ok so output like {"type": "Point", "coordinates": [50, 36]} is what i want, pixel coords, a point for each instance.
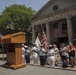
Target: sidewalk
{"type": "Point", "coordinates": [46, 66]}
{"type": "Point", "coordinates": [56, 67]}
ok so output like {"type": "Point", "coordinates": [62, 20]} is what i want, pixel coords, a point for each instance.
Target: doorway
{"type": "Point", "coordinates": [62, 39]}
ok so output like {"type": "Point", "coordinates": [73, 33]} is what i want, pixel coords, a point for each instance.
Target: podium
{"type": "Point", "coordinates": [14, 49]}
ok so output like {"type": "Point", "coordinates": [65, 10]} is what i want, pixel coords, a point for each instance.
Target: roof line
{"type": "Point", "coordinates": [47, 4]}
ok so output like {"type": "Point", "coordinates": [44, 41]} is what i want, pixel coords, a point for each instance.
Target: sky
{"type": "Point", "coordinates": [35, 4]}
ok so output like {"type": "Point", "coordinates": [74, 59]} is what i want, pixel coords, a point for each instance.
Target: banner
{"type": "Point", "coordinates": [58, 29]}
{"type": "Point", "coordinates": [37, 42]}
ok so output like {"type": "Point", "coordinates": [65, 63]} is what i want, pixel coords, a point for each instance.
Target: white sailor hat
{"type": "Point", "coordinates": [26, 46]}
{"type": "Point", "coordinates": [50, 45]}
{"type": "Point", "coordinates": [41, 45]}
{"type": "Point", "coordinates": [22, 44]}
{"type": "Point", "coordinates": [34, 44]}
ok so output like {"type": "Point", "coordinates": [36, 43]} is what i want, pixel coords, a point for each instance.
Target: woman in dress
{"type": "Point", "coordinates": [72, 50]}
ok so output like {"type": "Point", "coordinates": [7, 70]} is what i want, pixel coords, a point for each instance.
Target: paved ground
{"type": "Point", "coordinates": [34, 70]}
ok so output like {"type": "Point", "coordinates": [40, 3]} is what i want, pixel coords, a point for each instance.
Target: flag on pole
{"type": "Point", "coordinates": [37, 42]}
{"type": "Point", "coordinates": [44, 40]}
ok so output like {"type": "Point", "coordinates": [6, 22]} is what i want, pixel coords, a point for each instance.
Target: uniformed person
{"type": "Point", "coordinates": [43, 57]}
{"type": "Point", "coordinates": [51, 56]}
{"type": "Point", "coordinates": [34, 52]}
{"type": "Point", "coordinates": [23, 54]}
{"type": "Point", "coordinates": [27, 54]}
{"type": "Point", "coordinates": [57, 55]}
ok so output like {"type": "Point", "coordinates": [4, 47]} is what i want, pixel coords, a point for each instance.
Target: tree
{"type": "Point", "coordinates": [16, 17]}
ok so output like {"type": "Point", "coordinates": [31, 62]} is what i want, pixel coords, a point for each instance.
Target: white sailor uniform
{"type": "Point", "coordinates": [23, 54]}
{"type": "Point", "coordinates": [34, 52]}
{"type": "Point", "coordinates": [51, 58]}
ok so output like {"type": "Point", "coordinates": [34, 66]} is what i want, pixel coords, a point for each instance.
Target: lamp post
{"type": "Point", "coordinates": [2, 50]}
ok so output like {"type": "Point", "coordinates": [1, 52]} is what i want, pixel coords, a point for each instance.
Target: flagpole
{"type": "Point", "coordinates": [41, 32]}
{"type": "Point", "coordinates": [41, 27]}
{"type": "Point", "coordinates": [44, 42]}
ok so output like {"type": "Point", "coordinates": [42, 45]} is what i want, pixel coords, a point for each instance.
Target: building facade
{"type": "Point", "coordinates": [58, 18]}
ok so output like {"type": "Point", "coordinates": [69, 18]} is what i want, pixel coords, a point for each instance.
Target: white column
{"type": "Point", "coordinates": [69, 28]}
{"type": "Point", "coordinates": [48, 32]}
{"type": "Point", "coordinates": [33, 34]}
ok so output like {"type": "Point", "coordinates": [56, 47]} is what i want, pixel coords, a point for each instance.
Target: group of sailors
{"type": "Point", "coordinates": [53, 56]}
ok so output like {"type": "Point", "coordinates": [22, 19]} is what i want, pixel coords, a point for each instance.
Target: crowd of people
{"type": "Point", "coordinates": [65, 55]}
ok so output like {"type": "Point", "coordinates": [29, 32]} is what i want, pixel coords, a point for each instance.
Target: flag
{"type": "Point", "coordinates": [37, 42]}
{"type": "Point", "coordinates": [58, 29]}
{"type": "Point", "coordinates": [44, 40]}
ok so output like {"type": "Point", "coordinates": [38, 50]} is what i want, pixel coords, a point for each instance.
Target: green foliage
{"type": "Point", "coordinates": [16, 17]}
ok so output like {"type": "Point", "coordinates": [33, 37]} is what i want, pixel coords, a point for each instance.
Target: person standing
{"type": "Point", "coordinates": [34, 52]}
{"type": "Point", "coordinates": [72, 51]}
{"type": "Point", "coordinates": [23, 53]}
{"type": "Point", "coordinates": [57, 55]}
{"type": "Point", "coordinates": [63, 51]}
{"type": "Point", "coordinates": [51, 56]}
{"type": "Point", "coordinates": [75, 53]}
{"type": "Point", "coordinates": [27, 54]}
{"type": "Point", "coordinates": [43, 56]}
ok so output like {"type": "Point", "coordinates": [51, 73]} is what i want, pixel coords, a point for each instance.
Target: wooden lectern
{"type": "Point", "coordinates": [14, 49]}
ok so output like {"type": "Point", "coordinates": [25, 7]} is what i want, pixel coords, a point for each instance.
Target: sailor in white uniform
{"type": "Point", "coordinates": [23, 54]}
{"type": "Point", "coordinates": [51, 57]}
{"type": "Point", "coordinates": [34, 52]}
{"type": "Point", "coordinates": [57, 57]}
